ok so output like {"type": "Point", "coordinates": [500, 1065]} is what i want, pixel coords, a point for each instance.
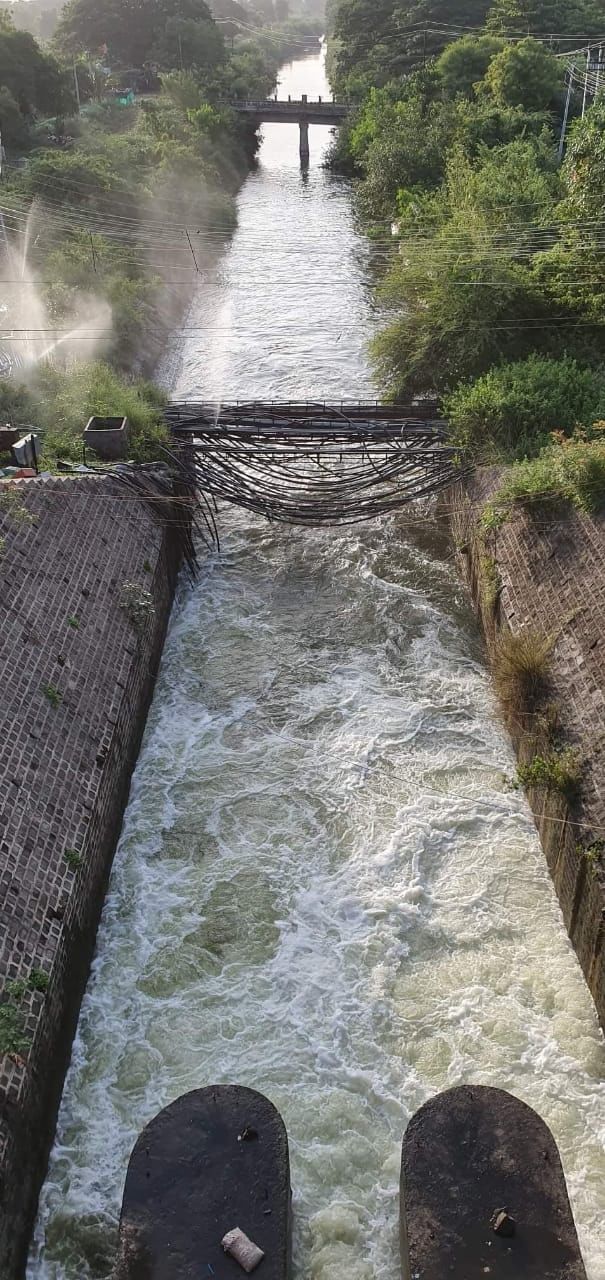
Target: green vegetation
{"type": "Point", "coordinates": [491, 583]}
{"type": "Point", "coordinates": [52, 695]}
{"type": "Point", "coordinates": [73, 858]}
{"type": "Point", "coordinates": [513, 409]}
{"type": "Point", "coordinates": [38, 980]}
{"type": "Point", "coordinates": [557, 770]}
{"type": "Point", "coordinates": [568, 471]}
{"type": "Point", "coordinates": [128, 200]}
{"type": "Point", "coordinates": [495, 293]}
{"type": "Point", "coordinates": [12, 1039]}
{"type": "Point", "coordinates": [31, 81]}
{"type": "Point", "coordinates": [594, 855]}
{"type": "Point", "coordinates": [13, 506]}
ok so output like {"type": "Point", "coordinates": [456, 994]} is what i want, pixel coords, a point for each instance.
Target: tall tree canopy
{"type": "Point", "coordinates": [578, 17]}
{"type": "Point", "coordinates": [32, 77]}
{"type": "Point", "coordinates": [385, 38]}
{"type": "Point", "coordinates": [139, 31]}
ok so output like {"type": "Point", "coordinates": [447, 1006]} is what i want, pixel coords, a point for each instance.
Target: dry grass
{"type": "Point", "coordinates": [521, 665]}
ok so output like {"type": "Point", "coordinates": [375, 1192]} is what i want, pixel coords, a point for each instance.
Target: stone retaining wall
{"type": "Point", "coordinates": [548, 571]}
{"type": "Point", "coordinates": [77, 678]}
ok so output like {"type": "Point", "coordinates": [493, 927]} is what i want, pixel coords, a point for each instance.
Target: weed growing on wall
{"type": "Point", "coordinates": [557, 771]}
{"type": "Point", "coordinates": [52, 695]}
{"type": "Point", "coordinates": [12, 1038]}
{"type": "Point", "coordinates": [73, 858]}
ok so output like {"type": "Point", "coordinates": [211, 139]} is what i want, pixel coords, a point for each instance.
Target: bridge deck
{"type": "Point", "coordinates": [292, 112]}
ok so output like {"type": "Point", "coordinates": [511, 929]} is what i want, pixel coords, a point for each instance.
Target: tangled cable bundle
{"type": "Point", "coordinates": [313, 464]}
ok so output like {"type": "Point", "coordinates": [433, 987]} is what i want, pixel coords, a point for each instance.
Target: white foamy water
{"type": "Point", "coordinates": [325, 888]}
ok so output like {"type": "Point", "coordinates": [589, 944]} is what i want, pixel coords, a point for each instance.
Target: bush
{"type": "Point", "coordinates": [511, 411]}
{"type": "Point", "coordinates": [12, 1038]}
{"type": "Point", "coordinates": [566, 471]}
{"type": "Point", "coordinates": [555, 771]}
{"type": "Point", "coordinates": [64, 401]}
{"type": "Point", "coordinates": [524, 75]}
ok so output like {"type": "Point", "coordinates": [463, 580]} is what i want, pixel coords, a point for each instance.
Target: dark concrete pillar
{"type": "Point", "coordinates": [483, 1193]}
{"type": "Point", "coordinates": [214, 1160]}
{"type": "Point", "coordinates": [305, 153]}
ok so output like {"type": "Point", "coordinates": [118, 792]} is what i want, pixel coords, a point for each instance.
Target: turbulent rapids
{"type": "Point", "coordinates": [326, 887]}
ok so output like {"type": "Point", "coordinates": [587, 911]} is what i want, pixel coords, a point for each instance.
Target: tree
{"type": "Point", "coordinates": [524, 75]}
{"type": "Point", "coordinates": [188, 44]}
{"type": "Point", "coordinates": [13, 125]}
{"type": "Point", "coordinates": [132, 30]}
{"type": "Point", "coordinates": [578, 17]}
{"type": "Point", "coordinates": [465, 62]}
{"type": "Point", "coordinates": [33, 77]}
{"type": "Point", "coordinates": [463, 295]}
{"type": "Point", "coordinates": [584, 167]}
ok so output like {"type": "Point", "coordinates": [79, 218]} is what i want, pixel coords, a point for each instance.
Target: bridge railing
{"type": "Point", "coordinates": [296, 104]}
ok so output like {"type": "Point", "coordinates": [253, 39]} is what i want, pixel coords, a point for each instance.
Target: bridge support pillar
{"type": "Point", "coordinates": [305, 153]}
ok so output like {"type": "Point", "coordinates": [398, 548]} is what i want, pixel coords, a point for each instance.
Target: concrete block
{"type": "Point", "coordinates": [483, 1193]}
{"type": "Point", "coordinates": [109, 437]}
{"type": "Point", "coordinates": [214, 1161]}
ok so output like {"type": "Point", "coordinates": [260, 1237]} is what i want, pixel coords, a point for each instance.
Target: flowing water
{"type": "Point", "coordinates": [325, 887]}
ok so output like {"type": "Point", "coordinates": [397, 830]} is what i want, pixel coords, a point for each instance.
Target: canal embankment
{"type": "Point", "coordinates": [87, 576]}
{"type": "Point", "coordinates": [540, 577]}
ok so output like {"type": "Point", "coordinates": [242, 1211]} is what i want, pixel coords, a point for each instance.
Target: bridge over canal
{"type": "Point", "coordinates": [314, 463]}
{"type": "Point", "coordinates": [302, 112]}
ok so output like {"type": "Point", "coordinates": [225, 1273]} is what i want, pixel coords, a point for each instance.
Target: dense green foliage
{"type": "Point", "coordinates": [567, 470]}
{"type": "Point", "coordinates": [518, 406]}
{"type": "Point", "coordinates": [495, 293]}
{"type": "Point", "coordinates": [60, 403]}
{"type": "Point", "coordinates": [31, 81]}
{"type": "Point", "coordinates": [139, 31]}
{"type": "Point", "coordinates": [135, 201]}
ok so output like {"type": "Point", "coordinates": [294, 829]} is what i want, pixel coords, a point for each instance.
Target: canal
{"type": "Point", "coordinates": [326, 887]}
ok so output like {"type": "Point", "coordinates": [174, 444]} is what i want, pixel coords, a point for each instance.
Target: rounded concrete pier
{"type": "Point", "coordinates": [483, 1193]}
{"type": "Point", "coordinates": [215, 1160]}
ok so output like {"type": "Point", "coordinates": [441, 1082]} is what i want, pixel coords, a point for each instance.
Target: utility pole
{"type": "Point", "coordinates": [570, 76]}
{"type": "Point", "coordinates": [588, 57]}
{"type": "Point", "coordinates": [77, 85]}
{"type": "Point", "coordinates": [600, 56]}
{"type": "Point", "coordinates": [180, 51]}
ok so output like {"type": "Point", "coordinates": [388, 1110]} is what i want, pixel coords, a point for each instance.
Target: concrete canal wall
{"type": "Point", "coordinates": [87, 576]}
{"type": "Point", "coordinates": [543, 571]}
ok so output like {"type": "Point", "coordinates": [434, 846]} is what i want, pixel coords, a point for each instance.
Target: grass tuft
{"type": "Point", "coordinates": [521, 665]}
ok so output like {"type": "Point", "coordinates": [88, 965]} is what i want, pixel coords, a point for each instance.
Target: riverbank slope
{"type": "Point", "coordinates": [541, 575]}
{"type": "Point", "coordinates": [87, 577]}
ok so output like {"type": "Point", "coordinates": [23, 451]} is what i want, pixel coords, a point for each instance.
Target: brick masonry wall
{"type": "Point", "coordinates": [64, 777]}
{"type": "Point", "coordinates": [552, 573]}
